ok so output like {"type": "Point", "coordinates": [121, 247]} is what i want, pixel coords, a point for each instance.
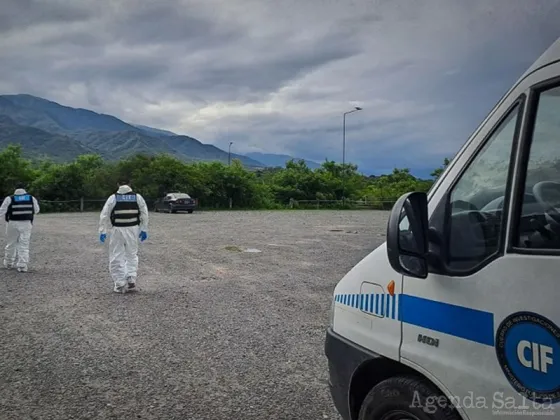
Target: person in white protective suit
{"type": "Point", "coordinates": [18, 210]}
{"type": "Point", "coordinates": [125, 213]}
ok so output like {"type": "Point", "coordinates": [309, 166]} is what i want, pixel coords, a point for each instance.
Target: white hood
{"type": "Point", "coordinates": [124, 189]}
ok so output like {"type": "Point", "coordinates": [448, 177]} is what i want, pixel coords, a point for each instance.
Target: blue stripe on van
{"type": "Point", "coordinates": [387, 305]}
{"type": "Point", "coordinates": [458, 321]}
{"type": "Point", "coordinates": [373, 303]}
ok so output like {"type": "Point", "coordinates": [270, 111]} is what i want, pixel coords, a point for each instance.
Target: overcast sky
{"type": "Point", "coordinates": [276, 76]}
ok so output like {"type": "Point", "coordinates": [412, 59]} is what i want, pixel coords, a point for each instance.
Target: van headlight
{"type": "Point", "coordinates": [331, 313]}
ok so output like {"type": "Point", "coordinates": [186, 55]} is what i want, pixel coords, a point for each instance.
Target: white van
{"type": "Point", "coordinates": [457, 315]}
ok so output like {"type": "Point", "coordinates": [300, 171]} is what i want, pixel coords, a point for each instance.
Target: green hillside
{"type": "Point", "coordinates": [74, 131]}
{"type": "Point", "coordinates": [37, 143]}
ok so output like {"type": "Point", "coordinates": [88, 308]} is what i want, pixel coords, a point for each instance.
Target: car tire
{"type": "Point", "coordinates": [190, 211]}
{"type": "Point", "coordinates": [406, 397]}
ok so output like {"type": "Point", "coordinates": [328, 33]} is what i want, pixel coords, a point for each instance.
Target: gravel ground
{"type": "Point", "coordinates": [212, 332]}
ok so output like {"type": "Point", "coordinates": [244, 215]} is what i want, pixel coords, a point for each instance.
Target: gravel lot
{"type": "Point", "coordinates": [213, 332]}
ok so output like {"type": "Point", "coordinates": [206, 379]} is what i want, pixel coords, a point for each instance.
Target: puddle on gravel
{"type": "Point", "coordinates": [233, 248]}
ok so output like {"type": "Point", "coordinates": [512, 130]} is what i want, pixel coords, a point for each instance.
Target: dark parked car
{"type": "Point", "coordinates": [174, 202]}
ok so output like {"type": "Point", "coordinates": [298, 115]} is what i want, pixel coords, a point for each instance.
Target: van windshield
{"type": "Point", "coordinates": [485, 178]}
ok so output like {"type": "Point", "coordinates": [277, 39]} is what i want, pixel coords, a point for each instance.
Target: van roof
{"type": "Point", "coordinates": [551, 55]}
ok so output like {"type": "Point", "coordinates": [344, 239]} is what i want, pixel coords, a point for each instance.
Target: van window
{"type": "Point", "coordinates": [476, 201]}
{"type": "Point", "coordinates": [537, 228]}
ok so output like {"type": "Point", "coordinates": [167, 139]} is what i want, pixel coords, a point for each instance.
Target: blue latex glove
{"type": "Point", "coordinates": [102, 237]}
{"type": "Point", "coordinates": [143, 236]}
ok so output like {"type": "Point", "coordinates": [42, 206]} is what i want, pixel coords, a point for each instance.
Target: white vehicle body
{"type": "Point", "coordinates": [477, 318]}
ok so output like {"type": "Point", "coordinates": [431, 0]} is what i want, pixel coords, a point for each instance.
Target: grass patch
{"type": "Point", "coordinates": [233, 248]}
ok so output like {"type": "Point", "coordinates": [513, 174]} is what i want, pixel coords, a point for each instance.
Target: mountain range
{"type": "Point", "coordinates": [46, 128]}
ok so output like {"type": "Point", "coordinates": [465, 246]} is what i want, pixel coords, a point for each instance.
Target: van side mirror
{"type": "Point", "coordinates": [407, 235]}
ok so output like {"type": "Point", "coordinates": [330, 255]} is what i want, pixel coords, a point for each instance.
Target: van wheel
{"type": "Point", "coordinates": [406, 398]}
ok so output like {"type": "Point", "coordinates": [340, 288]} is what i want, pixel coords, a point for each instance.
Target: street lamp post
{"type": "Point", "coordinates": [357, 108]}
{"type": "Point", "coordinates": [229, 164]}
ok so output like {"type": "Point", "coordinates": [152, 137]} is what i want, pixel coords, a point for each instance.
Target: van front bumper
{"type": "Point", "coordinates": [344, 358]}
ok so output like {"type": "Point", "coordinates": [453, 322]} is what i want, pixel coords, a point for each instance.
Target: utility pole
{"type": "Point", "coordinates": [229, 164]}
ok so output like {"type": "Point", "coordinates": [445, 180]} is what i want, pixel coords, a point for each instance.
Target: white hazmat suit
{"type": "Point", "coordinates": [123, 241]}
{"type": "Point", "coordinates": [18, 232]}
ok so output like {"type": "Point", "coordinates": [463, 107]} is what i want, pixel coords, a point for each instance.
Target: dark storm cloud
{"type": "Point", "coordinates": [165, 22]}
{"type": "Point", "coordinates": [19, 14]}
{"type": "Point", "coordinates": [80, 39]}
{"type": "Point", "coordinates": [120, 70]}
{"type": "Point", "coordinates": [264, 73]}
{"type": "Point", "coordinates": [189, 53]}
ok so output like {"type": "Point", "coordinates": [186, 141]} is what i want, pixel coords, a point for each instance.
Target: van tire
{"type": "Point", "coordinates": [408, 395]}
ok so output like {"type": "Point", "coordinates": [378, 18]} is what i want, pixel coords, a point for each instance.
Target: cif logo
{"type": "Point", "coordinates": [540, 356]}
{"type": "Point", "coordinates": [526, 346]}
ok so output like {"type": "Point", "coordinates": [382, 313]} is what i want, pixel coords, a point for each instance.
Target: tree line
{"type": "Point", "coordinates": [213, 184]}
